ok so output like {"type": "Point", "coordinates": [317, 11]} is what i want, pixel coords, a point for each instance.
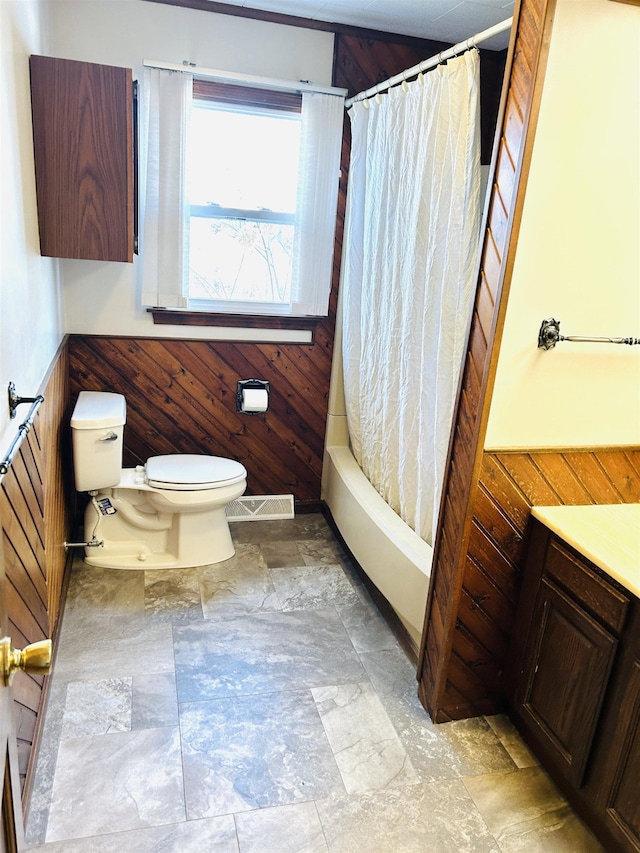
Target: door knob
{"type": "Point", "coordinates": [34, 659]}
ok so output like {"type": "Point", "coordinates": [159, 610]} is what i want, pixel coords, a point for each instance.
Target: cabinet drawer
{"type": "Point", "coordinates": [588, 588]}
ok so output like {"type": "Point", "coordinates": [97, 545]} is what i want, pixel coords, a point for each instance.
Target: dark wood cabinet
{"type": "Point", "coordinates": [619, 793]}
{"type": "Point", "coordinates": [83, 146]}
{"type": "Point", "coordinates": [574, 684]}
{"type": "Point", "coordinates": [567, 669]}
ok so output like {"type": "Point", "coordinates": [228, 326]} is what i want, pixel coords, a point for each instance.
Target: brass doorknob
{"type": "Point", "coordinates": [34, 658]}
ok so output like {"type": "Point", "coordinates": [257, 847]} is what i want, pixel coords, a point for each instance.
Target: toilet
{"type": "Point", "coordinates": [168, 513]}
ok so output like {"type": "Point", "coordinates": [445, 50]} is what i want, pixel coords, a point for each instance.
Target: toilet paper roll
{"type": "Point", "coordinates": [255, 400]}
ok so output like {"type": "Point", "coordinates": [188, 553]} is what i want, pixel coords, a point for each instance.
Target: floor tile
{"type": "Point", "coordinates": [215, 835]}
{"type": "Point", "coordinates": [366, 628]}
{"type": "Point", "coordinates": [97, 595]}
{"type": "Point", "coordinates": [154, 701]}
{"type": "Point", "coordinates": [312, 587]}
{"type": "Point", "coordinates": [97, 707]}
{"type": "Point", "coordinates": [118, 649]}
{"type": "Point", "coordinates": [36, 828]}
{"type": "Point", "coordinates": [172, 594]}
{"type": "Point", "coordinates": [109, 783]}
{"type": "Point", "coordinates": [525, 812]}
{"type": "Point", "coordinates": [263, 652]}
{"type": "Point", "coordinates": [239, 585]}
{"type": "Point", "coordinates": [444, 751]}
{"type": "Point", "coordinates": [318, 552]}
{"type": "Point", "coordinates": [509, 737]}
{"type": "Point", "coordinates": [364, 742]}
{"type": "Point", "coordinates": [283, 829]}
{"type": "Point", "coordinates": [303, 527]}
{"type": "Point", "coordinates": [277, 555]}
{"type": "Point", "coordinates": [253, 752]}
{"type": "Point", "coordinates": [439, 817]}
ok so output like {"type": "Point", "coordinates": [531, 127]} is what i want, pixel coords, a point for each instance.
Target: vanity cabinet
{"type": "Point", "coordinates": [83, 147]}
{"type": "Point", "coordinates": [574, 684]}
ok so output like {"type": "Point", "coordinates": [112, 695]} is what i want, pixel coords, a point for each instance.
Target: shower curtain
{"type": "Point", "coordinates": [411, 243]}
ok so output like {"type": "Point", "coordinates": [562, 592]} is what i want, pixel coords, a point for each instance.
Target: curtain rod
{"type": "Point", "coordinates": [449, 53]}
{"type": "Point", "coordinates": [244, 79]}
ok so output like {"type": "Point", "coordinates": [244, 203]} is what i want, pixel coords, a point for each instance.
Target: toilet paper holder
{"type": "Point", "coordinates": [250, 384]}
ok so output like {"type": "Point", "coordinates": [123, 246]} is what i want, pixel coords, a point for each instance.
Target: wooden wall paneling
{"type": "Point", "coordinates": [59, 492]}
{"type": "Point", "coordinates": [622, 473]}
{"type": "Point", "coordinates": [363, 61]}
{"type": "Point", "coordinates": [181, 398]}
{"type": "Point", "coordinates": [34, 508]}
{"type": "Point", "coordinates": [25, 584]}
{"type": "Point", "coordinates": [510, 484]}
{"type": "Point", "coordinates": [520, 102]}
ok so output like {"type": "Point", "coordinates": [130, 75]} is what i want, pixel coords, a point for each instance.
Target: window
{"type": "Point", "coordinates": [240, 194]}
{"type": "Point", "coordinates": [243, 162]}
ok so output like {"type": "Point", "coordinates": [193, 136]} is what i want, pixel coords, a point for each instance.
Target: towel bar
{"type": "Point", "coordinates": [24, 427]}
{"type": "Point", "coordinates": [549, 335]}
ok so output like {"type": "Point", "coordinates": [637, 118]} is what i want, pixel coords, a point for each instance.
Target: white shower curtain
{"type": "Point", "coordinates": [411, 243]}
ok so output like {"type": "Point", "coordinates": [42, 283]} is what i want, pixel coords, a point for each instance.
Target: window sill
{"type": "Point", "coordinates": [181, 317]}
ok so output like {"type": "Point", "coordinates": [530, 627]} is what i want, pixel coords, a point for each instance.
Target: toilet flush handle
{"type": "Point", "coordinates": [110, 436]}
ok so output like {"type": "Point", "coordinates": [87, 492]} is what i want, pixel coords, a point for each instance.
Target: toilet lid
{"type": "Point", "coordinates": [190, 472]}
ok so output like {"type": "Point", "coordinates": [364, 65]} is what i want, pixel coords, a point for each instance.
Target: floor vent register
{"type": "Point", "coordinates": [261, 508]}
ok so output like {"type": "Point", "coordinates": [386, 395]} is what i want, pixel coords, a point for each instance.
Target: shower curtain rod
{"type": "Point", "coordinates": [449, 53]}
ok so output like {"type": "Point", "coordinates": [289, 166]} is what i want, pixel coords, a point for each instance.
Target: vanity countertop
{"type": "Point", "coordinates": [606, 534]}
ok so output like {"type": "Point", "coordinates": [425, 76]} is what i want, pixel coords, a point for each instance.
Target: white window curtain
{"type": "Point", "coordinates": [166, 106]}
{"type": "Point", "coordinates": [164, 211]}
{"type": "Point", "coordinates": [319, 174]}
{"type": "Point", "coordinates": [409, 265]}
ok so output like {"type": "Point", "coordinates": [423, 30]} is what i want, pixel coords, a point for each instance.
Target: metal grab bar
{"type": "Point", "coordinates": [23, 430]}
{"type": "Point", "coordinates": [549, 335]}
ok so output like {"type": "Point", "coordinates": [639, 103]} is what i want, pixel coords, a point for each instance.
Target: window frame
{"type": "Point", "coordinates": [247, 99]}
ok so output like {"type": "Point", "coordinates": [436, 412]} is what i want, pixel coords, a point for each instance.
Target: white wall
{"type": "Point", "coordinates": [578, 257]}
{"type": "Point", "coordinates": [30, 313]}
{"type": "Point", "coordinates": [103, 298]}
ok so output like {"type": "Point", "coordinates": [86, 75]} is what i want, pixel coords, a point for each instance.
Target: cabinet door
{"type": "Point", "coordinates": [566, 668]}
{"type": "Point", "coordinates": [622, 783]}
{"type": "Point", "coordinates": [83, 146]}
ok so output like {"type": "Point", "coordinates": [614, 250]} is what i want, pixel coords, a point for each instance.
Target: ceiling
{"type": "Point", "coordinates": [441, 20]}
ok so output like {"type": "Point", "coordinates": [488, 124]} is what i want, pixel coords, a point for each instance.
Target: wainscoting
{"type": "Point", "coordinates": [181, 398]}
{"type": "Point", "coordinates": [510, 483]}
{"type": "Point", "coordinates": [34, 508]}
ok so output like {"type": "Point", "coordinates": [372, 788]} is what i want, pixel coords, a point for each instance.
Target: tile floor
{"type": "Point", "coordinates": [262, 705]}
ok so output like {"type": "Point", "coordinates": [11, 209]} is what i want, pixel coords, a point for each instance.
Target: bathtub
{"type": "Point", "coordinates": [393, 556]}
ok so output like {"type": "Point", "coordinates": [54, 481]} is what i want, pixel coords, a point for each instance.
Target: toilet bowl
{"type": "Point", "coordinates": [168, 513]}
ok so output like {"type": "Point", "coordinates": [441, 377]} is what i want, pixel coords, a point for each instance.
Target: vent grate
{"type": "Point", "coordinates": [261, 508]}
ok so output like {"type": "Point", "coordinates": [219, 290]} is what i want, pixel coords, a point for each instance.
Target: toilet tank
{"type": "Point", "coordinates": [97, 427]}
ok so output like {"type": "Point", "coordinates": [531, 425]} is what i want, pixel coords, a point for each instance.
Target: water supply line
{"type": "Point", "coordinates": [94, 542]}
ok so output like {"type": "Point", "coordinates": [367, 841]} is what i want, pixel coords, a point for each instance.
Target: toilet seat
{"type": "Point", "coordinates": [193, 472]}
